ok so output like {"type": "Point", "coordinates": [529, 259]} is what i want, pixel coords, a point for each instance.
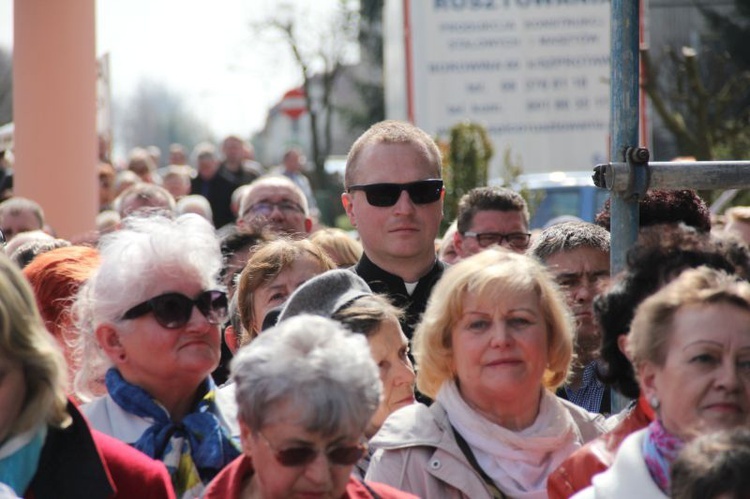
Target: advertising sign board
{"type": "Point", "coordinates": [534, 72]}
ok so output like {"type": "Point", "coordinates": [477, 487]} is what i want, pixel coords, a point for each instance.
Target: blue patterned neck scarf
{"type": "Point", "coordinates": [660, 449]}
{"type": "Point", "coordinates": [194, 450]}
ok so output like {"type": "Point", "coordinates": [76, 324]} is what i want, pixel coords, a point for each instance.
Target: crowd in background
{"type": "Point", "coordinates": [213, 339]}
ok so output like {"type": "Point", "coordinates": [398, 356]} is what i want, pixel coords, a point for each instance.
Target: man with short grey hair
{"type": "Point", "coordinates": [577, 254]}
{"type": "Point", "coordinates": [275, 203]}
{"type": "Point", "coordinates": [18, 214]}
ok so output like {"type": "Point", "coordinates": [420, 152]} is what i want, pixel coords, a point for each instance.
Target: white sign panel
{"type": "Point", "coordinates": [534, 72]}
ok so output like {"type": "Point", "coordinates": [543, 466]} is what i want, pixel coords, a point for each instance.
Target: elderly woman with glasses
{"type": "Point", "coordinates": [306, 390]}
{"type": "Point", "coordinates": [690, 346]}
{"type": "Point", "coordinates": [47, 450]}
{"type": "Point", "coordinates": [149, 321]}
{"type": "Point", "coordinates": [494, 343]}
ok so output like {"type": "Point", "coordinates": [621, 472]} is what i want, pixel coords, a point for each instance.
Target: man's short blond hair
{"type": "Point", "coordinates": [392, 132]}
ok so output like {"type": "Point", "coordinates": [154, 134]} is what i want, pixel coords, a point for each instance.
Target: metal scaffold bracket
{"type": "Point", "coordinates": [636, 176]}
{"type": "Point", "coordinates": [629, 180]}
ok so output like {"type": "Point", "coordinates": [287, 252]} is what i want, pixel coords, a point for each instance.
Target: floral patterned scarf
{"type": "Point", "coordinates": [194, 450]}
{"type": "Point", "coordinates": [660, 449]}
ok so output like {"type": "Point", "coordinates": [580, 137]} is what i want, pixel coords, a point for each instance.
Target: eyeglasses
{"type": "Point", "coordinates": [302, 456]}
{"type": "Point", "coordinates": [517, 240]}
{"type": "Point", "coordinates": [382, 195]}
{"type": "Point", "coordinates": [265, 208]}
{"type": "Point", "coordinates": [173, 310]}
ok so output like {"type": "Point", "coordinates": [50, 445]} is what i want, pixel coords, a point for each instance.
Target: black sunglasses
{"type": "Point", "coordinates": [173, 310]}
{"type": "Point", "coordinates": [302, 456]}
{"type": "Point", "coordinates": [420, 192]}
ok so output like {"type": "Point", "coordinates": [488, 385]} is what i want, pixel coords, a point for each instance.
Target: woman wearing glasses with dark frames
{"type": "Point", "coordinates": [149, 323]}
{"type": "Point", "coordinates": [306, 390]}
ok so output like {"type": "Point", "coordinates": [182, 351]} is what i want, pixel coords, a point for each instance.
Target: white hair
{"type": "Point", "coordinates": [315, 363]}
{"type": "Point", "coordinates": [134, 262]}
{"type": "Point", "coordinates": [195, 203]}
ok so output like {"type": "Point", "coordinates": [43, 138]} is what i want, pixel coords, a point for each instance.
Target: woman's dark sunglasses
{"type": "Point", "coordinates": [302, 456]}
{"type": "Point", "coordinates": [173, 310]}
{"type": "Point", "coordinates": [420, 192]}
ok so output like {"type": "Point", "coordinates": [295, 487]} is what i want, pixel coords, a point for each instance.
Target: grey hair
{"type": "Point", "coordinates": [273, 181]}
{"type": "Point", "coordinates": [324, 370]}
{"type": "Point", "coordinates": [569, 236]}
{"type": "Point", "coordinates": [149, 195]}
{"type": "Point", "coordinates": [134, 262]}
{"type": "Point", "coordinates": [18, 204]}
{"type": "Point", "coordinates": [195, 203]}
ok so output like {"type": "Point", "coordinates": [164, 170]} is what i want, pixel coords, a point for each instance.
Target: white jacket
{"type": "Point", "coordinates": [106, 416]}
{"type": "Point", "coordinates": [628, 477]}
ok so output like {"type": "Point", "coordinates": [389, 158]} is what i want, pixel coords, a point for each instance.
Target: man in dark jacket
{"type": "Point", "coordinates": [394, 197]}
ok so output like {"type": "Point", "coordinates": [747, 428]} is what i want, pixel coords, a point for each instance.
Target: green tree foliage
{"type": "Point", "coordinates": [320, 53]}
{"type": "Point", "coordinates": [465, 164]}
{"type": "Point", "coordinates": [369, 87]}
{"type": "Point", "coordinates": [733, 30]}
{"type": "Point", "coordinates": [699, 97]}
{"type": "Point", "coordinates": [703, 97]}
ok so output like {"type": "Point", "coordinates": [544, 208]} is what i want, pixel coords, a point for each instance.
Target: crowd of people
{"type": "Point", "coordinates": [213, 340]}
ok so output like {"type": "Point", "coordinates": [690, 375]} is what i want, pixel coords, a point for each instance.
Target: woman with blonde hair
{"type": "Point", "coordinates": [47, 449]}
{"type": "Point", "coordinates": [494, 343]}
{"type": "Point", "coordinates": [343, 249]}
{"type": "Point", "coordinates": [690, 346]}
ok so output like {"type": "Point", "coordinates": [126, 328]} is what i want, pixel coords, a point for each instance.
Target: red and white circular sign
{"type": "Point", "coordinates": [293, 103]}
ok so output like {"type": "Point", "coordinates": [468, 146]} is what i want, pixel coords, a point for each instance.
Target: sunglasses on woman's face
{"type": "Point", "coordinates": [173, 310]}
{"type": "Point", "coordinates": [302, 456]}
{"type": "Point", "coordinates": [383, 195]}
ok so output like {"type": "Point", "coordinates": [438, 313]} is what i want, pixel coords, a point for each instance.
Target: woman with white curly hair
{"type": "Point", "coordinates": [149, 322]}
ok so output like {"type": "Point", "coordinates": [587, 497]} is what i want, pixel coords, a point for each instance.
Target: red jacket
{"type": "Point", "coordinates": [576, 472]}
{"type": "Point", "coordinates": [80, 462]}
{"type": "Point", "coordinates": [229, 482]}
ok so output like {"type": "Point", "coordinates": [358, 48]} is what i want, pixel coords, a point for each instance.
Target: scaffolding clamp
{"type": "Point", "coordinates": [629, 179]}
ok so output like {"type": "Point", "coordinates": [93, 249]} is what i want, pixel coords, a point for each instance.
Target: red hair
{"type": "Point", "coordinates": [55, 277]}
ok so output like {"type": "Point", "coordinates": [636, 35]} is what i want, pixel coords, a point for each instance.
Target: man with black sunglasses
{"type": "Point", "coordinates": [489, 216]}
{"type": "Point", "coordinates": [394, 197]}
